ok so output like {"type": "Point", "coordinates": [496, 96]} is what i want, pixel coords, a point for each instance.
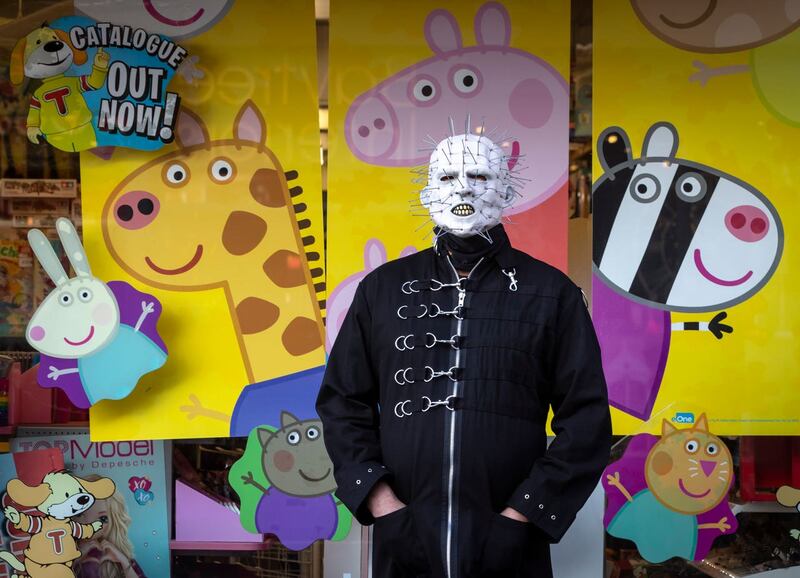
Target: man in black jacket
{"type": "Point", "coordinates": [436, 395]}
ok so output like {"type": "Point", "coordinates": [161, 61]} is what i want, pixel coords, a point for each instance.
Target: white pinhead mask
{"type": "Point", "coordinates": [469, 185]}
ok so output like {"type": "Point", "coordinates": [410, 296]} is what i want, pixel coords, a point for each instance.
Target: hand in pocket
{"type": "Point", "coordinates": [504, 547]}
{"type": "Point", "coordinates": [396, 539]}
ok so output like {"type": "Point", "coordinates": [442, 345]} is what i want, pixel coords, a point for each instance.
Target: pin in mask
{"type": "Point", "coordinates": [470, 182]}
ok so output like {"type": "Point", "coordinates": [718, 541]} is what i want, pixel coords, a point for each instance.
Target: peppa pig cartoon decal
{"type": "Point", "coordinates": [340, 298]}
{"type": "Point", "coordinates": [514, 93]}
{"type": "Point", "coordinates": [96, 339]}
{"type": "Point", "coordinates": [669, 234]}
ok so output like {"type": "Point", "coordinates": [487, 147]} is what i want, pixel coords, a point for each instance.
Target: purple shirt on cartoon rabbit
{"type": "Point", "coordinates": [501, 87]}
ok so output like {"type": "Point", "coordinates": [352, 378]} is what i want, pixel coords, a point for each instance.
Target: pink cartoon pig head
{"type": "Point", "coordinates": [519, 96]}
{"type": "Point", "coordinates": [340, 298]}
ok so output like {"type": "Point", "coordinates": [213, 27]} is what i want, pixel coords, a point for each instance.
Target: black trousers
{"type": "Point", "coordinates": [506, 549]}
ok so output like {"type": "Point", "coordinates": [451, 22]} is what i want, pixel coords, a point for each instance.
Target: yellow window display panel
{"type": "Point", "coordinates": [693, 213]}
{"type": "Point", "coordinates": [224, 225]}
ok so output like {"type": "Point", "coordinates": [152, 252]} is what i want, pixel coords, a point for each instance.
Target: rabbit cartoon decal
{"type": "Point", "coordinates": [96, 339]}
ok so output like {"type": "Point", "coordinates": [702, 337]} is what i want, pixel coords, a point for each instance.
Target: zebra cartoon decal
{"type": "Point", "coordinates": [669, 235]}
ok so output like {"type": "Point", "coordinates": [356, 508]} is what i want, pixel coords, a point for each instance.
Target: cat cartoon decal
{"type": "Point", "coordinates": [669, 495]}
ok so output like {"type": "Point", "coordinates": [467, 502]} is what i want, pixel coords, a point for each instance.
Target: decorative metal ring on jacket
{"type": "Point", "coordinates": [430, 340]}
{"type": "Point", "coordinates": [402, 307]}
{"type": "Point", "coordinates": [408, 287]}
{"type": "Point", "coordinates": [400, 409]}
{"type": "Point", "coordinates": [403, 339]}
{"type": "Point", "coordinates": [402, 372]}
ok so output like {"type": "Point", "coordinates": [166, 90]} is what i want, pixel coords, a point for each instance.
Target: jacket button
{"type": "Point", "coordinates": [541, 506]}
{"type": "Point", "coordinates": [553, 517]}
{"type": "Point", "coordinates": [358, 482]}
{"type": "Point", "coordinates": [369, 470]}
{"type": "Point", "coordinates": [527, 496]}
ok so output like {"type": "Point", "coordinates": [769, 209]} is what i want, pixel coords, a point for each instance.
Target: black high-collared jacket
{"type": "Point", "coordinates": [442, 387]}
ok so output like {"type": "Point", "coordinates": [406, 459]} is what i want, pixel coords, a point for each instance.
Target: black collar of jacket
{"type": "Point", "coordinates": [500, 250]}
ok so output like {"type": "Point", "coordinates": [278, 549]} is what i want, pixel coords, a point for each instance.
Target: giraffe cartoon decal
{"type": "Point", "coordinates": [164, 224]}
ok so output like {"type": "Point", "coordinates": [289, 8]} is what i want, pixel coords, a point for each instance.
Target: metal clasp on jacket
{"type": "Point", "coordinates": [402, 373]}
{"type": "Point", "coordinates": [447, 402]}
{"type": "Point", "coordinates": [401, 411]}
{"type": "Point", "coordinates": [431, 340]}
{"type": "Point", "coordinates": [402, 341]}
{"type": "Point", "coordinates": [408, 287]}
{"type": "Point", "coordinates": [436, 311]}
{"type": "Point", "coordinates": [402, 307]}
{"type": "Point", "coordinates": [512, 285]}
{"type": "Point", "coordinates": [431, 374]}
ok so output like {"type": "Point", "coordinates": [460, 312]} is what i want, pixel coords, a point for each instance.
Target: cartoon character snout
{"type": "Point", "coordinates": [747, 223]}
{"type": "Point", "coordinates": [708, 467]}
{"type": "Point", "coordinates": [136, 209]}
{"type": "Point", "coordinates": [373, 127]}
{"type": "Point", "coordinates": [53, 46]}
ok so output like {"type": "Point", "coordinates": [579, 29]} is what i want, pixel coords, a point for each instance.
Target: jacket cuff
{"type": "Point", "coordinates": [541, 510]}
{"type": "Point", "coordinates": [354, 485]}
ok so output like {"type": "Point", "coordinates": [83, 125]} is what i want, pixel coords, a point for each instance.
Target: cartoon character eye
{"type": "Point", "coordinates": [294, 437]}
{"type": "Point", "coordinates": [84, 294]}
{"type": "Point", "coordinates": [691, 187]}
{"type": "Point", "coordinates": [67, 494]}
{"type": "Point", "coordinates": [65, 299]}
{"type": "Point", "coordinates": [176, 174]}
{"type": "Point", "coordinates": [312, 433]}
{"type": "Point", "coordinates": [712, 449]}
{"type": "Point", "coordinates": [465, 80]}
{"type": "Point", "coordinates": [692, 446]}
{"type": "Point", "coordinates": [221, 170]}
{"type": "Point", "coordinates": [645, 188]}
{"type": "Point", "coordinates": [424, 90]}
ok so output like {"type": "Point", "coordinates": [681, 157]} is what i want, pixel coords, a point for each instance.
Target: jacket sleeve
{"type": "Point", "coordinates": [348, 406]}
{"type": "Point", "coordinates": [563, 479]}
